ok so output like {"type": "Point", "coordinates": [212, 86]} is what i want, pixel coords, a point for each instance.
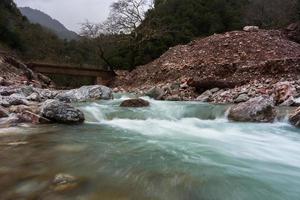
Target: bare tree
{"type": "Point", "coordinates": [126, 15]}
{"type": "Point", "coordinates": [91, 30]}
{"type": "Point", "coordinates": [97, 37]}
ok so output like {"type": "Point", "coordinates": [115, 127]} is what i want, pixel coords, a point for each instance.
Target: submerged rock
{"type": "Point", "coordinates": [65, 182]}
{"type": "Point", "coordinates": [135, 103]}
{"type": "Point", "coordinates": [295, 118]}
{"type": "Point", "coordinates": [86, 93]}
{"type": "Point", "coordinates": [259, 109]}
{"type": "Point", "coordinates": [60, 112]}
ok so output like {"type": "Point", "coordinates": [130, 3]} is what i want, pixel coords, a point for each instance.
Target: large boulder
{"type": "Point", "coordinates": [259, 109]}
{"type": "Point", "coordinates": [60, 112]}
{"type": "Point", "coordinates": [86, 93]}
{"type": "Point", "coordinates": [295, 118]}
{"type": "Point", "coordinates": [135, 103]}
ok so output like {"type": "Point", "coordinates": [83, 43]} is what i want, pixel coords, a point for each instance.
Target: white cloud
{"type": "Point", "coordinates": [71, 12]}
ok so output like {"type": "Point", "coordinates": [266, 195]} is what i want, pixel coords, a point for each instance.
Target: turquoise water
{"type": "Point", "coordinates": [172, 150]}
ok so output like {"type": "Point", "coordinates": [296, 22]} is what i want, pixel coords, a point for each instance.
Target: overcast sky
{"type": "Point", "coordinates": [71, 12]}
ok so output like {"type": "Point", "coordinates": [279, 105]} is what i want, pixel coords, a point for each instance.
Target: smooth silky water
{"type": "Point", "coordinates": [171, 150]}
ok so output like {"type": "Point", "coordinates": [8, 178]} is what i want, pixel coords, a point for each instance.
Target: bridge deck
{"type": "Point", "coordinates": [101, 76]}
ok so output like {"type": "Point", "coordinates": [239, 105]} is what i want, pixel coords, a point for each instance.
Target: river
{"type": "Point", "coordinates": [171, 150]}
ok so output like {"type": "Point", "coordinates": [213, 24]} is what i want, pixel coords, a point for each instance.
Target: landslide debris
{"type": "Point", "coordinates": [236, 56]}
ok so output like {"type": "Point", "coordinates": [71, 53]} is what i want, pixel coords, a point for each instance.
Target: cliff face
{"type": "Point", "coordinates": [233, 56]}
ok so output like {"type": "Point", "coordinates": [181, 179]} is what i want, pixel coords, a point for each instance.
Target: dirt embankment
{"type": "Point", "coordinates": [241, 57]}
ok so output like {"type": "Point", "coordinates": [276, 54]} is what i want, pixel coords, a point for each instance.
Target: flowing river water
{"type": "Point", "coordinates": [169, 151]}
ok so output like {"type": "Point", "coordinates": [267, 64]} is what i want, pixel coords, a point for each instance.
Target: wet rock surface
{"type": "Point", "coordinates": [86, 93]}
{"type": "Point", "coordinates": [3, 112]}
{"type": "Point", "coordinates": [294, 118]}
{"type": "Point", "coordinates": [135, 103]}
{"type": "Point", "coordinates": [60, 112]}
{"type": "Point", "coordinates": [260, 109]}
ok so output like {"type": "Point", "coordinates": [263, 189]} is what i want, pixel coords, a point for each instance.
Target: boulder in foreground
{"type": "Point", "coordinates": [60, 112]}
{"type": "Point", "coordinates": [86, 93]}
{"type": "Point", "coordinates": [294, 118]}
{"type": "Point", "coordinates": [260, 109]}
{"type": "Point", "coordinates": [135, 103]}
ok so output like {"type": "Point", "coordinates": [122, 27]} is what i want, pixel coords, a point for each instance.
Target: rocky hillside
{"type": "Point", "coordinates": [14, 72]}
{"type": "Point", "coordinates": [221, 61]}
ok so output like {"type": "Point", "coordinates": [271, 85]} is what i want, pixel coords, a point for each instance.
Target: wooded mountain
{"type": "Point", "coordinates": [39, 17]}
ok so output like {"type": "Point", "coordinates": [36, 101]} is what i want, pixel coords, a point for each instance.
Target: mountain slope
{"type": "Point", "coordinates": [38, 17]}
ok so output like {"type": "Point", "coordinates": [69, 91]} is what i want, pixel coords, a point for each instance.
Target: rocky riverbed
{"type": "Point", "coordinates": [27, 104]}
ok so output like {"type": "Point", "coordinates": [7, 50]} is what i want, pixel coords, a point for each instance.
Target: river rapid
{"type": "Point", "coordinates": [169, 151]}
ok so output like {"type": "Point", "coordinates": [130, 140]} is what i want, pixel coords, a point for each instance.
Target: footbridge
{"type": "Point", "coordinates": [98, 76]}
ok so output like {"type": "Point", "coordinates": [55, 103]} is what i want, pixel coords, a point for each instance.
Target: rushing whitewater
{"type": "Point", "coordinates": [171, 150]}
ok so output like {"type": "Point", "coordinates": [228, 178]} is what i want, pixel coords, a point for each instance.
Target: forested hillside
{"type": "Point", "coordinates": [38, 17]}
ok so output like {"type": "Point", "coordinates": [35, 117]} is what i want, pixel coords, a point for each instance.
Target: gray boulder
{"type": "Point", "coordinates": [260, 109]}
{"type": "Point", "coordinates": [135, 103]}
{"type": "Point", "coordinates": [60, 112]}
{"type": "Point", "coordinates": [155, 93]}
{"type": "Point", "coordinates": [16, 99]}
{"type": "Point", "coordinates": [295, 118]}
{"type": "Point", "coordinates": [205, 96]}
{"type": "Point", "coordinates": [86, 93]}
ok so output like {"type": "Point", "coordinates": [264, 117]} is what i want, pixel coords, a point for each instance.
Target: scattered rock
{"type": "Point", "coordinates": [135, 103]}
{"type": "Point", "coordinates": [4, 102]}
{"type": "Point", "coordinates": [205, 97]}
{"type": "Point", "coordinates": [3, 112]}
{"type": "Point", "coordinates": [173, 98]}
{"type": "Point", "coordinates": [10, 121]}
{"type": "Point", "coordinates": [260, 109]}
{"type": "Point", "coordinates": [33, 118]}
{"type": "Point", "coordinates": [242, 98]}
{"type": "Point", "coordinates": [86, 93]}
{"type": "Point", "coordinates": [251, 28]}
{"type": "Point", "coordinates": [284, 91]}
{"type": "Point", "coordinates": [23, 108]}
{"type": "Point", "coordinates": [155, 93]}
{"type": "Point", "coordinates": [294, 118]}
{"type": "Point", "coordinates": [60, 112]}
{"type": "Point", "coordinates": [214, 90]}
{"type": "Point", "coordinates": [16, 99]}
{"type": "Point", "coordinates": [65, 182]}
{"type": "Point", "coordinates": [34, 97]}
